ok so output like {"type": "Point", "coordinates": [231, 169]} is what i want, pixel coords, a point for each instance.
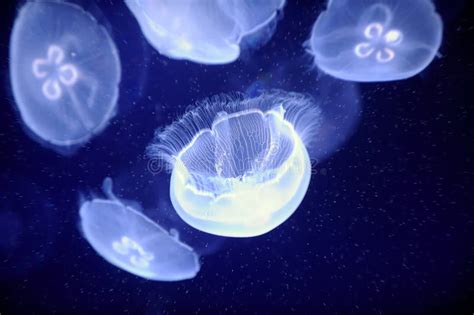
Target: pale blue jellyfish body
{"type": "Point", "coordinates": [204, 31]}
{"type": "Point", "coordinates": [131, 241]}
{"type": "Point", "coordinates": [240, 167]}
{"type": "Point", "coordinates": [376, 40]}
{"type": "Point", "coordinates": [65, 71]}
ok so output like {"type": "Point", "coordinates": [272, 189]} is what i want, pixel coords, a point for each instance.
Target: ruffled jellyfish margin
{"type": "Point", "coordinates": [236, 214]}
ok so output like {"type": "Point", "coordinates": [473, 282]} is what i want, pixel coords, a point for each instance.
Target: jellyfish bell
{"type": "Point", "coordinates": [129, 240]}
{"type": "Point", "coordinates": [376, 40]}
{"type": "Point", "coordinates": [257, 39]}
{"type": "Point", "coordinates": [207, 32]}
{"type": "Point", "coordinates": [240, 166]}
{"type": "Point", "coordinates": [64, 71]}
{"type": "Point", "coordinates": [250, 15]}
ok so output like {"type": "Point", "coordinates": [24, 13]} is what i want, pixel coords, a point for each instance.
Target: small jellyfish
{"type": "Point", "coordinates": [240, 166]}
{"type": "Point", "coordinates": [64, 70]}
{"type": "Point", "coordinates": [376, 40]}
{"type": "Point", "coordinates": [208, 31]}
{"type": "Point", "coordinates": [129, 240]}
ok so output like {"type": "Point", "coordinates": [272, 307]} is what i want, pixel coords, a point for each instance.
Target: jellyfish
{"type": "Point", "coordinates": [128, 239]}
{"type": "Point", "coordinates": [208, 31]}
{"type": "Point", "coordinates": [240, 166]}
{"type": "Point", "coordinates": [376, 40]}
{"type": "Point", "coordinates": [64, 70]}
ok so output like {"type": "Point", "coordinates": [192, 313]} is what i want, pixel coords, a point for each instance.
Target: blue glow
{"type": "Point", "coordinates": [376, 40]}
{"type": "Point", "coordinates": [129, 240]}
{"type": "Point", "coordinates": [65, 72]}
{"type": "Point", "coordinates": [240, 166]}
{"type": "Point", "coordinates": [207, 31]}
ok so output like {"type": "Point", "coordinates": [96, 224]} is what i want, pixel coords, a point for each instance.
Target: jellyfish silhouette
{"type": "Point", "coordinates": [64, 70]}
{"type": "Point", "coordinates": [240, 166]}
{"type": "Point", "coordinates": [129, 240]}
{"type": "Point", "coordinates": [376, 40]}
{"type": "Point", "coordinates": [208, 31]}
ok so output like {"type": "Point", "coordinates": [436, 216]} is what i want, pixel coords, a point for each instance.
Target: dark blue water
{"type": "Point", "coordinates": [385, 228]}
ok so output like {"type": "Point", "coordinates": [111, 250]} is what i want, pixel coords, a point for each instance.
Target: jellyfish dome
{"type": "Point", "coordinates": [240, 166]}
{"type": "Point", "coordinates": [376, 40]}
{"type": "Point", "coordinates": [64, 70]}
{"type": "Point", "coordinates": [131, 241]}
{"type": "Point", "coordinates": [203, 31]}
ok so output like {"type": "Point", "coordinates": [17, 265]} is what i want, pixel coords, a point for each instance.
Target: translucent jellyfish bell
{"type": "Point", "coordinates": [240, 167]}
{"type": "Point", "coordinates": [376, 40]}
{"type": "Point", "coordinates": [207, 31]}
{"type": "Point", "coordinates": [64, 70]}
{"type": "Point", "coordinates": [129, 240]}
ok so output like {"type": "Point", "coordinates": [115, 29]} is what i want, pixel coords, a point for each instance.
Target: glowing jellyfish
{"type": "Point", "coordinates": [376, 40]}
{"type": "Point", "coordinates": [207, 31]}
{"type": "Point", "coordinates": [240, 166]}
{"type": "Point", "coordinates": [65, 71]}
{"type": "Point", "coordinates": [129, 240]}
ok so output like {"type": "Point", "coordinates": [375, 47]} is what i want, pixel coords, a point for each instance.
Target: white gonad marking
{"type": "Point", "coordinates": [378, 39]}
{"type": "Point", "coordinates": [393, 37]}
{"type": "Point", "coordinates": [385, 55]}
{"type": "Point", "coordinates": [55, 54]}
{"type": "Point", "coordinates": [373, 31]}
{"type": "Point", "coordinates": [363, 50]}
{"type": "Point", "coordinates": [68, 74]}
{"type": "Point", "coordinates": [38, 64]}
{"type": "Point", "coordinates": [52, 90]}
{"type": "Point", "coordinates": [138, 256]}
{"type": "Point", "coordinates": [54, 72]}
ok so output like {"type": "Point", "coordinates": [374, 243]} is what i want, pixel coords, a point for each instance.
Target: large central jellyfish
{"type": "Point", "coordinates": [240, 166]}
{"type": "Point", "coordinates": [207, 31]}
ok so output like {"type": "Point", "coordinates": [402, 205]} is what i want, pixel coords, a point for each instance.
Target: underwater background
{"type": "Point", "coordinates": [386, 225]}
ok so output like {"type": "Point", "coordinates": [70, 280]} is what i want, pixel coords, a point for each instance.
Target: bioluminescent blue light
{"type": "Point", "coordinates": [65, 71]}
{"type": "Point", "coordinates": [207, 31]}
{"type": "Point", "coordinates": [376, 40]}
{"type": "Point", "coordinates": [240, 166]}
{"type": "Point", "coordinates": [131, 241]}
